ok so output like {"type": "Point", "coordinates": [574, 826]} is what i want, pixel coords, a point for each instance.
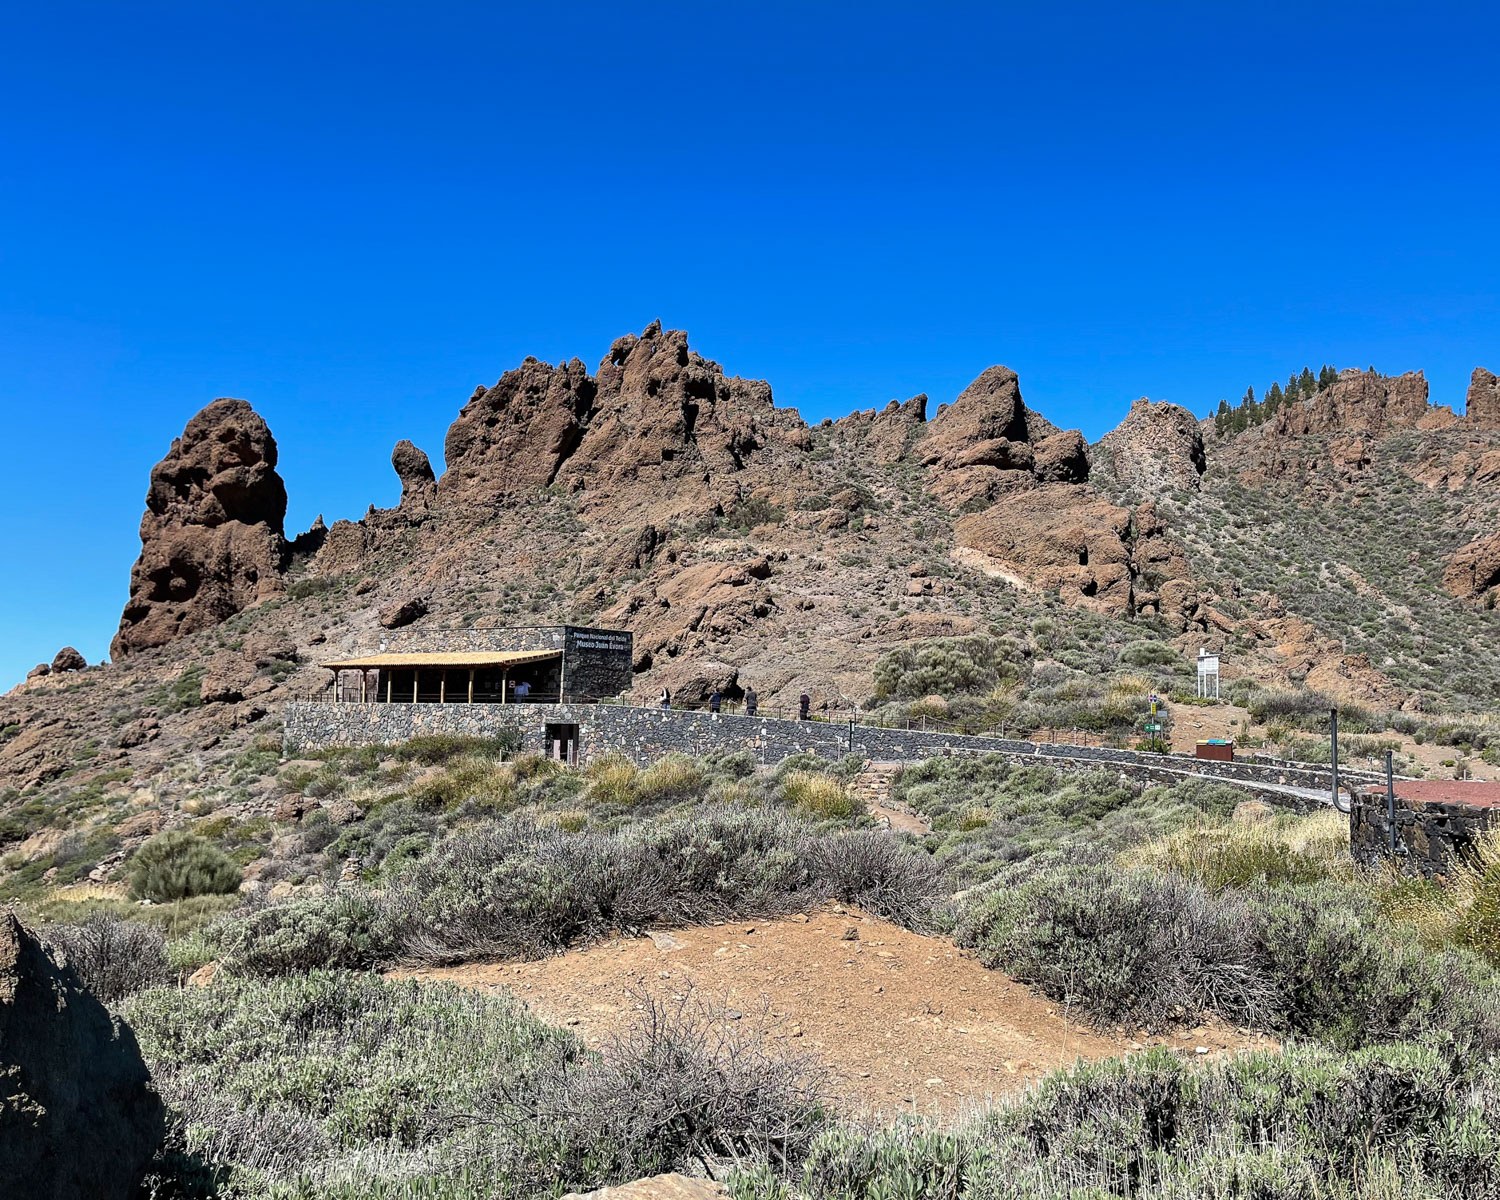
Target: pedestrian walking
{"type": "Point", "coordinates": [714, 702]}
{"type": "Point", "coordinates": [752, 702]}
{"type": "Point", "coordinates": [666, 698]}
{"type": "Point", "coordinates": [804, 702]}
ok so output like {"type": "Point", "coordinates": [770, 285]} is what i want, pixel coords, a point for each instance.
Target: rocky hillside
{"type": "Point", "coordinates": [1352, 542]}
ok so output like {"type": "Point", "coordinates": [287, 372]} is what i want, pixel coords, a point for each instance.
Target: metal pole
{"type": "Point", "coordinates": [1333, 737]}
{"type": "Point", "coordinates": [1390, 802]}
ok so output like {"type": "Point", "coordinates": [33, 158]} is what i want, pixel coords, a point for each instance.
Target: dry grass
{"type": "Point", "coordinates": [1284, 850]}
{"type": "Point", "coordinates": [1462, 911]}
{"type": "Point", "coordinates": [820, 797]}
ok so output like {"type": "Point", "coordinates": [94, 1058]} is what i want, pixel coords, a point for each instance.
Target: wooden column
{"type": "Point", "coordinates": [390, 686]}
{"type": "Point", "coordinates": [336, 697]}
{"type": "Point", "coordinates": [443, 687]}
{"type": "Point", "coordinates": [364, 679]}
{"type": "Point", "coordinates": [416, 676]}
{"type": "Point", "coordinates": [504, 675]}
{"type": "Point", "coordinates": [471, 685]}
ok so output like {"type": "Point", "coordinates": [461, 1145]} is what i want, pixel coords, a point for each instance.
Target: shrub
{"type": "Point", "coordinates": [339, 931]}
{"type": "Point", "coordinates": [946, 667]}
{"type": "Point", "coordinates": [819, 796]}
{"type": "Point", "coordinates": [1119, 944]}
{"type": "Point", "coordinates": [177, 864]}
{"type": "Point", "coordinates": [340, 1085]}
{"type": "Point", "coordinates": [113, 958]}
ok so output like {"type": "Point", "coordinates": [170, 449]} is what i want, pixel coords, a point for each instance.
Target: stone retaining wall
{"type": "Point", "coordinates": [1429, 836]}
{"type": "Point", "coordinates": [645, 734]}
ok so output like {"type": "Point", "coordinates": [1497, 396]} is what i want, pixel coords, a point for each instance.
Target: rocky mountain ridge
{"type": "Point", "coordinates": [742, 545]}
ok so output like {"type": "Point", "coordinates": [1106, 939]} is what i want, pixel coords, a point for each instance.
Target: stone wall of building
{"type": "Point", "coordinates": [597, 662]}
{"type": "Point", "coordinates": [1430, 835]}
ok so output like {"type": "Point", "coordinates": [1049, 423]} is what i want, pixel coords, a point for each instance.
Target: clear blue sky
{"type": "Point", "coordinates": [351, 215]}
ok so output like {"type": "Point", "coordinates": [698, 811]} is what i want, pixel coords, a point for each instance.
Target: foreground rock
{"type": "Point", "coordinates": [658, 1187]}
{"type": "Point", "coordinates": [78, 1116]}
{"type": "Point", "coordinates": [212, 536]}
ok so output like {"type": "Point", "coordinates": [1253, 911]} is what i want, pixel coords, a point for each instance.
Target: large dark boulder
{"type": "Point", "coordinates": [79, 1119]}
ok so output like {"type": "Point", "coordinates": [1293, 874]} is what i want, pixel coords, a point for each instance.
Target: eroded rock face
{"type": "Point", "coordinates": [1068, 539]}
{"type": "Point", "coordinates": [412, 467]}
{"type": "Point", "coordinates": [79, 1116]}
{"type": "Point", "coordinates": [1482, 405]}
{"type": "Point", "coordinates": [68, 659]}
{"type": "Point", "coordinates": [1363, 402]}
{"type": "Point", "coordinates": [1473, 573]}
{"type": "Point", "coordinates": [668, 423]}
{"type": "Point", "coordinates": [513, 437]}
{"type": "Point", "coordinates": [1157, 448]}
{"type": "Point", "coordinates": [212, 536]}
{"type": "Point", "coordinates": [988, 444]}
{"type": "Point", "coordinates": [681, 611]}
{"type": "Point", "coordinates": [885, 437]}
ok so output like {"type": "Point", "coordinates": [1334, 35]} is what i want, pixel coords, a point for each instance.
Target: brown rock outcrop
{"type": "Point", "coordinates": [68, 659]}
{"type": "Point", "coordinates": [672, 425]}
{"type": "Point", "coordinates": [1156, 448]}
{"type": "Point", "coordinates": [885, 437]}
{"type": "Point", "coordinates": [403, 612]}
{"type": "Point", "coordinates": [1066, 538]}
{"type": "Point", "coordinates": [1482, 404]}
{"type": "Point", "coordinates": [38, 671]}
{"type": "Point", "coordinates": [211, 537]}
{"type": "Point", "coordinates": [986, 443]}
{"type": "Point", "coordinates": [1361, 402]}
{"type": "Point", "coordinates": [677, 611]}
{"type": "Point", "coordinates": [79, 1117]}
{"type": "Point", "coordinates": [513, 437]}
{"type": "Point", "coordinates": [1473, 573]}
{"type": "Point", "coordinates": [413, 468]}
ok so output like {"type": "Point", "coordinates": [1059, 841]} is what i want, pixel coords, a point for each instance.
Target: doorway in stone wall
{"type": "Point", "coordinates": [562, 743]}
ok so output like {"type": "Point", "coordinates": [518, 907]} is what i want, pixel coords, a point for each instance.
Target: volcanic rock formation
{"type": "Point", "coordinates": [212, 536]}
{"type": "Point", "coordinates": [1364, 402]}
{"type": "Point", "coordinates": [1473, 573]}
{"type": "Point", "coordinates": [1482, 405]}
{"type": "Point", "coordinates": [418, 483]}
{"type": "Point", "coordinates": [1157, 448]}
{"type": "Point", "coordinates": [984, 445]}
{"type": "Point", "coordinates": [79, 1117]}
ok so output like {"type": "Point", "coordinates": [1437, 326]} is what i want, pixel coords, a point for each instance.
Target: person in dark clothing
{"type": "Point", "coordinates": [666, 698]}
{"type": "Point", "coordinates": [804, 702]}
{"type": "Point", "coordinates": [715, 701]}
{"type": "Point", "coordinates": [752, 702]}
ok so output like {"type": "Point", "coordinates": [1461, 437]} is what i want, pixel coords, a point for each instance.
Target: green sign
{"type": "Point", "coordinates": [1152, 727]}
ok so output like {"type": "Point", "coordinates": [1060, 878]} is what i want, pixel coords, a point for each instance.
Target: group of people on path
{"type": "Point", "coordinates": [752, 703]}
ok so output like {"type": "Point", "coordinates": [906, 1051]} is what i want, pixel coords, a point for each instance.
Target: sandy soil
{"type": "Point", "coordinates": [1192, 724]}
{"type": "Point", "coordinates": [906, 1022]}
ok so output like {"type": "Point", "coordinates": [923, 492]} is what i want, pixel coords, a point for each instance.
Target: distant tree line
{"type": "Point", "coordinates": [1236, 418]}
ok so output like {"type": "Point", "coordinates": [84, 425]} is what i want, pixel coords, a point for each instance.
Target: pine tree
{"type": "Point", "coordinates": [1307, 385]}
{"type": "Point", "coordinates": [1326, 376]}
{"type": "Point", "coordinates": [1222, 418]}
{"type": "Point", "coordinates": [1272, 401]}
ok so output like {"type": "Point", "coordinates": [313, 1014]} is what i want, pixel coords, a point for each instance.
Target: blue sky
{"type": "Point", "coordinates": [350, 215]}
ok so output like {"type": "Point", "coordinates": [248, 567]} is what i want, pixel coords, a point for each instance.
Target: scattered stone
{"type": "Point", "coordinates": [138, 732]}
{"type": "Point", "coordinates": [342, 811]}
{"type": "Point", "coordinates": [850, 934]}
{"type": "Point", "coordinates": [79, 1116]}
{"type": "Point", "coordinates": [38, 671]}
{"type": "Point", "coordinates": [403, 612]}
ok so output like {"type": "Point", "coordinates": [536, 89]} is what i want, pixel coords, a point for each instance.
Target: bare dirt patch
{"type": "Point", "coordinates": [905, 1022]}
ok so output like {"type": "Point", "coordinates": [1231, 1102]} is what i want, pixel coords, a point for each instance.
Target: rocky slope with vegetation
{"type": "Point", "coordinates": [971, 565]}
